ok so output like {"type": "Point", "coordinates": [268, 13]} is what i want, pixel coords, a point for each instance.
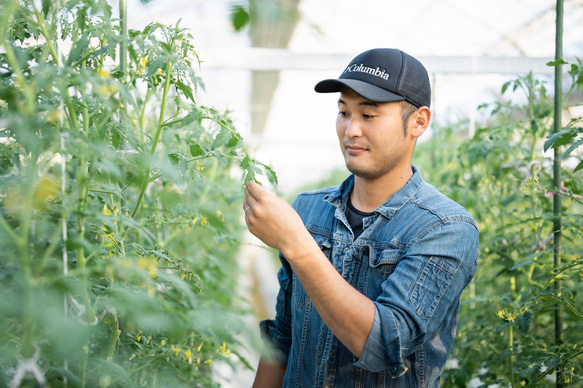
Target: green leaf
{"type": "Point", "coordinates": [271, 175]}
{"type": "Point", "coordinates": [191, 117]}
{"type": "Point", "coordinates": [80, 46]}
{"type": "Point", "coordinates": [46, 6]}
{"type": "Point", "coordinates": [557, 63]}
{"type": "Point", "coordinates": [196, 150]}
{"type": "Point", "coordinates": [154, 64]}
{"type": "Point", "coordinates": [579, 166]}
{"type": "Point", "coordinates": [174, 158]}
{"type": "Point", "coordinates": [559, 139]}
{"type": "Point", "coordinates": [222, 138]}
{"type": "Point", "coordinates": [505, 86]}
{"type": "Point", "coordinates": [235, 138]}
{"type": "Point", "coordinates": [522, 264]}
{"type": "Point", "coordinates": [239, 17]}
{"type": "Point", "coordinates": [219, 157]}
{"type": "Point", "coordinates": [245, 162]}
{"type": "Point", "coordinates": [572, 147]}
{"type": "Point", "coordinates": [185, 89]}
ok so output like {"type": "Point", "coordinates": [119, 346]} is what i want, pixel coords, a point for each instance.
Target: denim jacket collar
{"type": "Point", "coordinates": [339, 197]}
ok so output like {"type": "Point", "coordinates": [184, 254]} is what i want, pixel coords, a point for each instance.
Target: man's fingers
{"type": "Point", "coordinates": [254, 190]}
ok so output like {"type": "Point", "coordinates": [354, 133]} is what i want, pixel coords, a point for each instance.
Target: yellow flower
{"type": "Point", "coordinates": [107, 211]}
{"type": "Point", "coordinates": [142, 263]}
{"type": "Point", "coordinates": [175, 350]}
{"type": "Point", "coordinates": [199, 347]}
{"type": "Point", "coordinates": [143, 62]}
{"type": "Point", "coordinates": [199, 166]}
{"type": "Point", "coordinates": [223, 348]}
{"type": "Point", "coordinates": [46, 190]}
{"type": "Point", "coordinates": [203, 220]}
{"type": "Point", "coordinates": [110, 272]}
{"type": "Point", "coordinates": [103, 73]}
{"type": "Point", "coordinates": [220, 215]}
{"type": "Point", "coordinates": [209, 362]}
{"type": "Point", "coordinates": [139, 72]}
{"type": "Point", "coordinates": [188, 356]}
{"type": "Point", "coordinates": [153, 270]}
{"type": "Point", "coordinates": [55, 117]}
{"type": "Point", "coordinates": [159, 72]}
{"type": "Point", "coordinates": [107, 89]}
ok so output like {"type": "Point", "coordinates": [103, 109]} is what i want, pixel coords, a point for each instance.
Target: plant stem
{"type": "Point", "coordinates": [9, 230]}
{"type": "Point", "coordinates": [557, 178]}
{"type": "Point", "coordinates": [115, 337]}
{"type": "Point", "coordinates": [29, 321]}
{"type": "Point", "coordinates": [510, 360]}
{"type": "Point", "coordinates": [156, 137]}
{"type": "Point", "coordinates": [8, 9]}
{"type": "Point", "coordinates": [83, 366]}
{"type": "Point", "coordinates": [45, 33]}
{"type": "Point", "coordinates": [123, 47]}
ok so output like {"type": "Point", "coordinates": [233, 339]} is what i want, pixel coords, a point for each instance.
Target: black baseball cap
{"type": "Point", "coordinates": [383, 75]}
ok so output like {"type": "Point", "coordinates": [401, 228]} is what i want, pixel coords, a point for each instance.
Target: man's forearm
{"type": "Point", "coordinates": [347, 313]}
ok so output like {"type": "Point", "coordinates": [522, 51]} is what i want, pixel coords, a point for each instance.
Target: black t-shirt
{"type": "Point", "coordinates": [355, 217]}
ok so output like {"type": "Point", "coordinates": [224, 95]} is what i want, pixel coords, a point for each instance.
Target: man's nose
{"type": "Point", "coordinates": [353, 128]}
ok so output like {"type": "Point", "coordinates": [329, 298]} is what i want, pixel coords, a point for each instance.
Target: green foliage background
{"type": "Point", "coordinates": [503, 176]}
{"type": "Point", "coordinates": [120, 205]}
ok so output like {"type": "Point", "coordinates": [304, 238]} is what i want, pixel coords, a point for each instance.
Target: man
{"type": "Point", "coordinates": [373, 269]}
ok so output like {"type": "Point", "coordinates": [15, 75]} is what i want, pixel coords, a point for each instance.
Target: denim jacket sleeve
{"type": "Point", "coordinates": [422, 295]}
{"type": "Point", "coordinates": [277, 332]}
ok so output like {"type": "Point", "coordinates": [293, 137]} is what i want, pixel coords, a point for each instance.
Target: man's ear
{"type": "Point", "coordinates": [421, 120]}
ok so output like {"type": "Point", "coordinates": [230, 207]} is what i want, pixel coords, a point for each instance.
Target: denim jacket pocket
{"type": "Point", "coordinates": [300, 297]}
{"type": "Point", "coordinates": [386, 259]}
{"type": "Point", "coordinates": [431, 285]}
{"type": "Point", "coordinates": [382, 264]}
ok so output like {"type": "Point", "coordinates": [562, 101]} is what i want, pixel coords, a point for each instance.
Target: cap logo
{"type": "Point", "coordinates": [368, 70]}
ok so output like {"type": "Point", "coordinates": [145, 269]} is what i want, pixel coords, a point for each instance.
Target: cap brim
{"type": "Point", "coordinates": [366, 90]}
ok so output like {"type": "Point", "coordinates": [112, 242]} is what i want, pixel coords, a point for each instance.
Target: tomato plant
{"type": "Point", "coordinates": [120, 204]}
{"type": "Point", "coordinates": [508, 319]}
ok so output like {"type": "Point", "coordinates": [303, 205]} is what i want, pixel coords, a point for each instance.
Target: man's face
{"type": "Point", "coordinates": [371, 136]}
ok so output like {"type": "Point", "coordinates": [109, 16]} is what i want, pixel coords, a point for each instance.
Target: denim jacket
{"type": "Point", "coordinates": [413, 260]}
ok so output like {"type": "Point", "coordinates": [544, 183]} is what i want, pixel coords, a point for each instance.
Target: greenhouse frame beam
{"type": "Point", "coordinates": [269, 59]}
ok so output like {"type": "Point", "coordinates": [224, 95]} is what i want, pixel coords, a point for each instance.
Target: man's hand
{"type": "Point", "coordinates": [276, 223]}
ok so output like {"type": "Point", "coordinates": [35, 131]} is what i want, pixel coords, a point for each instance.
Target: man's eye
{"type": "Point", "coordinates": [341, 113]}
{"type": "Point", "coordinates": [368, 116]}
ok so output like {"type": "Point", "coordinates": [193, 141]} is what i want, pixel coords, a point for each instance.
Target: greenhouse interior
{"type": "Point", "coordinates": [128, 130]}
